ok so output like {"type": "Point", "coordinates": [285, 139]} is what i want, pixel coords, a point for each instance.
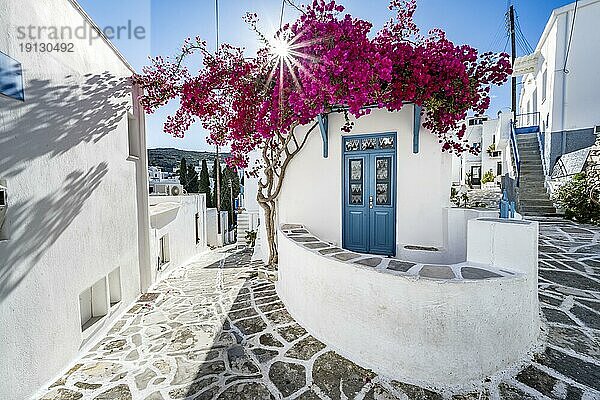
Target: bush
{"type": "Point", "coordinates": [488, 177]}
{"type": "Point", "coordinates": [574, 198]}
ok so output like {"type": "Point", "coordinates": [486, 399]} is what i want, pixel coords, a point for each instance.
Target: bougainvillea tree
{"type": "Point", "coordinates": [325, 61]}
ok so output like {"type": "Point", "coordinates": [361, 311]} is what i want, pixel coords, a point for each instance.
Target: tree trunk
{"type": "Point", "coordinates": [276, 155]}
{"type": "Point", "coordinates": [269, 209]}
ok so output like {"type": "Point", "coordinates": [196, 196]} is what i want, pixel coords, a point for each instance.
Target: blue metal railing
{"type": "Point", "coordinates": [515, 151]}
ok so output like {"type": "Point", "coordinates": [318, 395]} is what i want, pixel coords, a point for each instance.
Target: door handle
{"type": "Point", "coordinates": [370, 201]}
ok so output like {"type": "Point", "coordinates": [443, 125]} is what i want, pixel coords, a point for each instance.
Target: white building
{"type": "Point", "coordinates": [385, 260]}
{"type": "Point", "coordinates": [157, 174]}
{"type": "Point", "coordinates": [76, 246]}
{"type": "Point", "coordinates": [492, 137]}
{"type": "Point", "coordinates": [560, 93]}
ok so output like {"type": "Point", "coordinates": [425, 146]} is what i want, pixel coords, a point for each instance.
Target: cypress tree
{"type": "Point", "coordinates": [183, 172]}
{"type": "Point", "coordinates": [192, 179]}
{"type": "Point", "coordinates": [204, 184]}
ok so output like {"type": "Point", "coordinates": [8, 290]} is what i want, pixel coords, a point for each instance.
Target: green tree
{"type": "Point", "coordinates": [183, 172]}
{"type": "Point", "coordinates": [192, 180]}
{"type": "Point", "coordinates": [204, 184]}
{"type": "Point", "coordinates": [214, 177]}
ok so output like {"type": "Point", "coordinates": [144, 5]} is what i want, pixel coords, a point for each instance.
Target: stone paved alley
{"type": "Point", "coordinates": [214, 330]}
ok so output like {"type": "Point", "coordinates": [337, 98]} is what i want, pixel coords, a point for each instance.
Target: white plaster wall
{"type": "Point", "coordinates": [73, 209]}
{"type": "Point", "coordinates": [572, 98]}
{"type": "Point", "coordinates": [311, 193]}
{"type": "Point", "coordinates": [180, 226]}
{"type": "Point", "coordinates": [419, 330]}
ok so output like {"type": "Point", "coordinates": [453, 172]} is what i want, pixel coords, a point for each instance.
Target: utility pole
{"type": "Point", "coordinates": [513, 45]}
{"type": "Point", "coordinates": [218, 171]}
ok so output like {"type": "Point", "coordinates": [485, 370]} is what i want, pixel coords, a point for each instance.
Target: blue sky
{"type": "Point", "coordinates": [478, 23]}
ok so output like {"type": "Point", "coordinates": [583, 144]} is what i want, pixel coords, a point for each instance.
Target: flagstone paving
{"type": "Point", "coordinates": [215, 330]}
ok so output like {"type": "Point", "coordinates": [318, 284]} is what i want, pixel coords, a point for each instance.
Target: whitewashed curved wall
{"type": "Point", "coordinates": [312, 191]}
{"type": "Point", "coordinates": [439, 332]}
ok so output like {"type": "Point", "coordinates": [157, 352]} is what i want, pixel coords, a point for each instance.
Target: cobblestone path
{"type": "Point", "coordinates": [214, 330]}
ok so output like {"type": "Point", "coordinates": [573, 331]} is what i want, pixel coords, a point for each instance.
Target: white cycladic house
{"type": "Point", "coordinates": [178, 231]}
{"type": "Point", "coordinates": [491, 136]}
{"type": "Point", "coordinates": [559, 94]}
{"type": "Point", "coordinates": [76, 242]}
{"type": "Point", "coordinates": [372, 260]}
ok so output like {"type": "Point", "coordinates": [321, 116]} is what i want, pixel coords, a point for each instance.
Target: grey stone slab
{"type": "Point", "coordinates": [477, 273]}
{"type": "Point", "coordinates": [415, 392]}
{"type": "Point", "coordinates": [287, 377]}
{"type": "Point", "coordinates": [508, 392]}
{"type": "Point", "coordinates": [436, 272]}
{"type": "Point", "coordinates": [304, 239]}
{"type": "Point", "coordinates": [251, 326]}
{"type": "Point", "coordinates": [553, 315]}
{"type": "Point", "coordinates": [305, 348]}
{"type": "Point", "coordinates": [581, 371]}
{"type": "Point", "coordinates": [318, 245]}
{"type": "Point", "coordinates": [334, 374]}
{"type": "Point", "coordinates": [538, 380]}
{"type": "Point", "coordinates": [287, 227]}
{"type": "Point", "coordinates": [331, 251]}
{"type": "Point", "coordinates": [346, 256]}
{"type": "Point", "coordinates": [62, 394]}
{"type": "Point", "coordinates": [400, 266]}
{"type": "Point", "coordinates": [369, 262]}
{"type": "Point", "coordinates": [292, 332]}
{"type": "Point", "coordinates": [119, 392]}
{"type": "Point", "coordinates": [246, 391]}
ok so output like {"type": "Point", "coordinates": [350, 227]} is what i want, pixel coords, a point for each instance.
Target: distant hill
{"type": "Point", "coordinates": [168, 158]}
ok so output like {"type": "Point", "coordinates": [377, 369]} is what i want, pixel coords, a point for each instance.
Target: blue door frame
{"type": "Point", "coordinates": [369, 193]}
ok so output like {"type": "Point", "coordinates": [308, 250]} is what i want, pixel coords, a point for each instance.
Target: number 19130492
{"type": "Point", "coordinates": [43, 47]}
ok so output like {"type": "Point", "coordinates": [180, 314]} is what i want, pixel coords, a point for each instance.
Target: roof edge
{"type": "Point", "coordinates": [110, 44]}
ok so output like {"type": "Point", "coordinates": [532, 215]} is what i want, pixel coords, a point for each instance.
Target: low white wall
{"type": "Point", "coordinates": [441, 332]}
{"type": "Point", "coordinates": [178, 221]}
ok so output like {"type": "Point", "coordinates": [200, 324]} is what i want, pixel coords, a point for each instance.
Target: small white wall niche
{"type": "Point", "coordinates": [114, 286]}
{"type": "Point", "coordinates": [93, 303]}
{"type": "Point", "coordinates": [164, 254]}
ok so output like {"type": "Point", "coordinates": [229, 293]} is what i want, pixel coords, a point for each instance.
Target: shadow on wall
{"type": "Point", "coordinates": [59, 115]}
{"type": "Point", "coordinates": [37, 225]}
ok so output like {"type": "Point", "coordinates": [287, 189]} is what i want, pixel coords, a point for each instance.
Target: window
{"type": "Point", "coordinates": [544, 84]}
{"type": "Point", "coordinates": [11, 78]}
{"type": "Point", "coordinates": [163, 251]}
{"type": "Point", "coordinates": [356, 182]}
{"type": "Point", "coordinates": [499, 168]}
{"type": "Point", "coordinates": [382, 176]}
{"type": "Point", "coordinates": [133, 131]}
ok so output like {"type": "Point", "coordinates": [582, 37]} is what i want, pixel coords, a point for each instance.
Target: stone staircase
{"type": "Point", "coordinates": [533, 197]}
{"type": "Point", "coordinates": [243, 225]}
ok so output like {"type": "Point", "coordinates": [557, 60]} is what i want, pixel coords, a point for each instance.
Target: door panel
{"type": "Point", "coordinates": [369, 212]}
{"type": "Point", "coordinates": [383, 212]}
{"type": "Point", "coordinates": [355, 204]}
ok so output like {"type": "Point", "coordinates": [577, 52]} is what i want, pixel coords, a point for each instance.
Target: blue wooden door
{"type": "Point", "coordinates": [369, 212]}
